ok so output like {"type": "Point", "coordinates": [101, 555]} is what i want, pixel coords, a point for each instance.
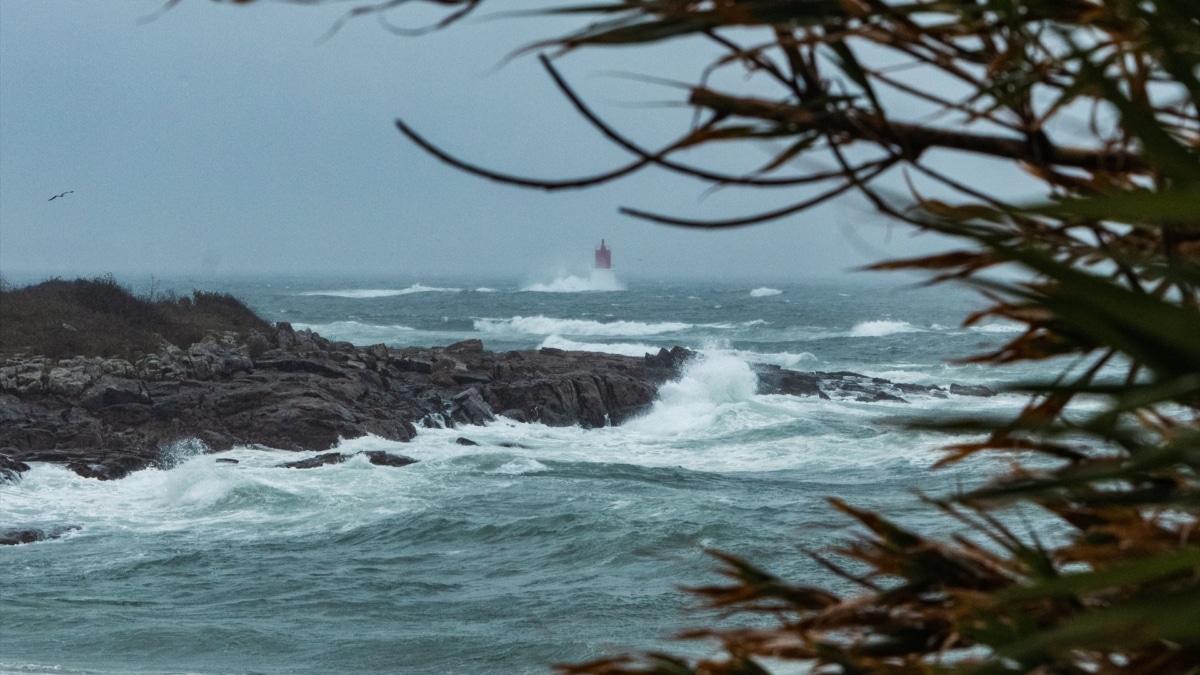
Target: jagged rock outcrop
{"type": "Point", "coordinates": [295, 390]}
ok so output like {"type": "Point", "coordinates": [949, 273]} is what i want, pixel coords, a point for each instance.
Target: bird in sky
{"type": "Point", "coordinates": [62, 194]}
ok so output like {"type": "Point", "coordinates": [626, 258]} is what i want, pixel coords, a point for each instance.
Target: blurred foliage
{"type": "Point", "coordinates": [99, 317]}
{"type": "Point", "coordinates": [1097, 101]}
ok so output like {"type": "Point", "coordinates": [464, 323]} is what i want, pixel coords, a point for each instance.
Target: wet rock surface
{"type": "Point", "coordinates": [29, 535]}
{"type": "Point", "coordinates": [377, 457]}
{"type": "Point", "coordinates": [295, 390]}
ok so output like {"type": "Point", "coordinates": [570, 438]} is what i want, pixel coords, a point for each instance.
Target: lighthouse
{"type": "Point", "coordinates": [603, 257]}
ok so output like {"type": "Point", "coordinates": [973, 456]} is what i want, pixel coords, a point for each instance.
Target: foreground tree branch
{"type": "Point", "coordinates": [912, 140]}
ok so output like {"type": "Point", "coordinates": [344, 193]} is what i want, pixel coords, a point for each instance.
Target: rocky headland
{"type": "Point", "coordinates": [245, 382]}
{"type": "Point", "coordinates": [295, 390]}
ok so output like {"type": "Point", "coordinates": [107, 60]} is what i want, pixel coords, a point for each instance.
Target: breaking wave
{"type": "Point", "coordinates": [355, 332]}
{"type": "Point", "coordinates": [999, 328]}
{"type": "Point", "coordinates": [882, 327]}
{"type": "Point", "coordinates": [764, 292]}
{"type": "Point", "coordinates": [363, 293]}
{"type": "Point", "coordinates": [621, 348]}
{"type": "Point", "coordinates": [543, 325]}
{"type": "Point", "coordinates": [599, 280]}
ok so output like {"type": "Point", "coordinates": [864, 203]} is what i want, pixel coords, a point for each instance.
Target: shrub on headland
{"type": "Point", "coordinates": [100, 317]}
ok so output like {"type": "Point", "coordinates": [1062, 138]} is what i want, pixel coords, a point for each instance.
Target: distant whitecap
{"type": "Point", "coordinates": [621, 348]}
{"type": "Point", "coordinates": [365, 293]}
{"type": "Point", "coordinates": [764, 292]}
{"type": "Point", "coordinates": [881, 328]}
{"type": "Point", "coordinates": [599, 280]}
{"type": "Point", "coordinates": [543, 325]}
{"type": "Point", "coordinates": [999, 328]}
{"type": "Point", "coordinates": [355, 332]}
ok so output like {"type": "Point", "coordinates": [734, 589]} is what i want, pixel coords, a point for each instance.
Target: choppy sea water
{"type": "Point", "coordinates": [568, 545]}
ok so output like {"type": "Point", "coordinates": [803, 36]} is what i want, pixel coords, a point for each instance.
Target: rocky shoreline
{"type": "Point", "coordinates": [295, 390]}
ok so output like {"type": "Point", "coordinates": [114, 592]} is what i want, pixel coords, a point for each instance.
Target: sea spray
{"type": "Point", "coordinates": [881, 328]}
{"type": "Point", "coordinates": [707, 385]}
{"type": "Point", "coordinates": [598, 281]}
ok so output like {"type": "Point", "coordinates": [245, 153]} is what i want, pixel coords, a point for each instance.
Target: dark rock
{"type": "Point", "coordinates": [299, 365]}
{"type": "Point", "coordinates": [378, 457]}
{"type": "Point", "coordinates": [111, 468]}
{"type": "Point", "coordinates": [775, 380]}
{"type": "Point", "coordinates": [381, 458]}
{"type": "Point", "coordinates": [464, 441]}
{"type": "Point", "coordinates": [971, 390]}
{"type": "Point", "coordinates": [913, 388]}
{"type": "Point", "coordinates": [877, 396]}
{"type": "Point", "coordinates": [472, 345]}
{"type": "Point", "coordinates": [669, 364]}
{"type": "Point", "coordinates": [11, 469]}
{"type": "Point", "coordinates": [226, 460]}
{"type": "Point", "coordinates": [416, 365]}
{"type": "Point", "coordinates": [468, 377]}
{"type": "Point", "coordinates": [285, 336]}
{"type": "Point", "coordinates": [468, 407]}
{"type": "Point", "coordinates": [314, 462]}
{"type": "Point", "coordinates": [442, 379]}
{"type": "Point", "coordinates": [110, 391]}
{"type": "Point", "coordinates": [29, 535]}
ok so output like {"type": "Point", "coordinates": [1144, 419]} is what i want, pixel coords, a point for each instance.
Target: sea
{"type": "Point", "coordinates": [537, 546]}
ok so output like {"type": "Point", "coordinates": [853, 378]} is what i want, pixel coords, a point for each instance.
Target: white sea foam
{"type": "Point", "coordinates": [521, 466]}
{"type": "Point", "coordinates": [881, 327]}
{"type": "Point", "coordinates": [543, 325]}
{"type": "Point", "coordinates": [253, 498]}
{"type": "Point", "coordinates": [707, 385]}
{"type": "Point", "coordinates": [485, 289]}
{"type": "Point", "coordinates": [764, 292]}
{"type": "Point", "coordinates": [355, 331]}
{"type": "Point", "coordinates": [362, 293]}
{"type": "Point", "coordinates": [999, 327]}
{"type": "Point", "coordinates": [598, 280]}
{"type": "Point", "coordinates": [622, 348]}
{"type": "Point", "coordinates": [782, 359]}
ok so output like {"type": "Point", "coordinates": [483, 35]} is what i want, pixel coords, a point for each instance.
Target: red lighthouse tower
{"type": "Point", "coordinates": [603, 257]}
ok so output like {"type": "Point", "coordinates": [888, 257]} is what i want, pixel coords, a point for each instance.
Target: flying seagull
{"type": "Point", "coordinates": [64, 194]}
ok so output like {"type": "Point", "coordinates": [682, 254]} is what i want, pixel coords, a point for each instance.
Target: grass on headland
{"type": "Point", "coordinates": [99, 317]}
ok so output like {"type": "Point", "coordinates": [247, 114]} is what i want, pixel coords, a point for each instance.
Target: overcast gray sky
{"type": "Point", "coordinates": [220, 139]}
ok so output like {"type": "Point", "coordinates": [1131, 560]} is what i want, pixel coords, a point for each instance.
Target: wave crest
{"type": "Point", "coordinates": [599, 280]}
{"type": "Point", "coordinates": [367, 293]}
{"type": "Point", "coordinates": [543, 325]}
{"type": "Point", "coordinates": [354, 332]}
{"type": "Point", "coordinates": [881, 327]}
{"type": "Point", "coordinates": [621, 348]}
{"type": "Point", "coordinates": [764, 292]}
